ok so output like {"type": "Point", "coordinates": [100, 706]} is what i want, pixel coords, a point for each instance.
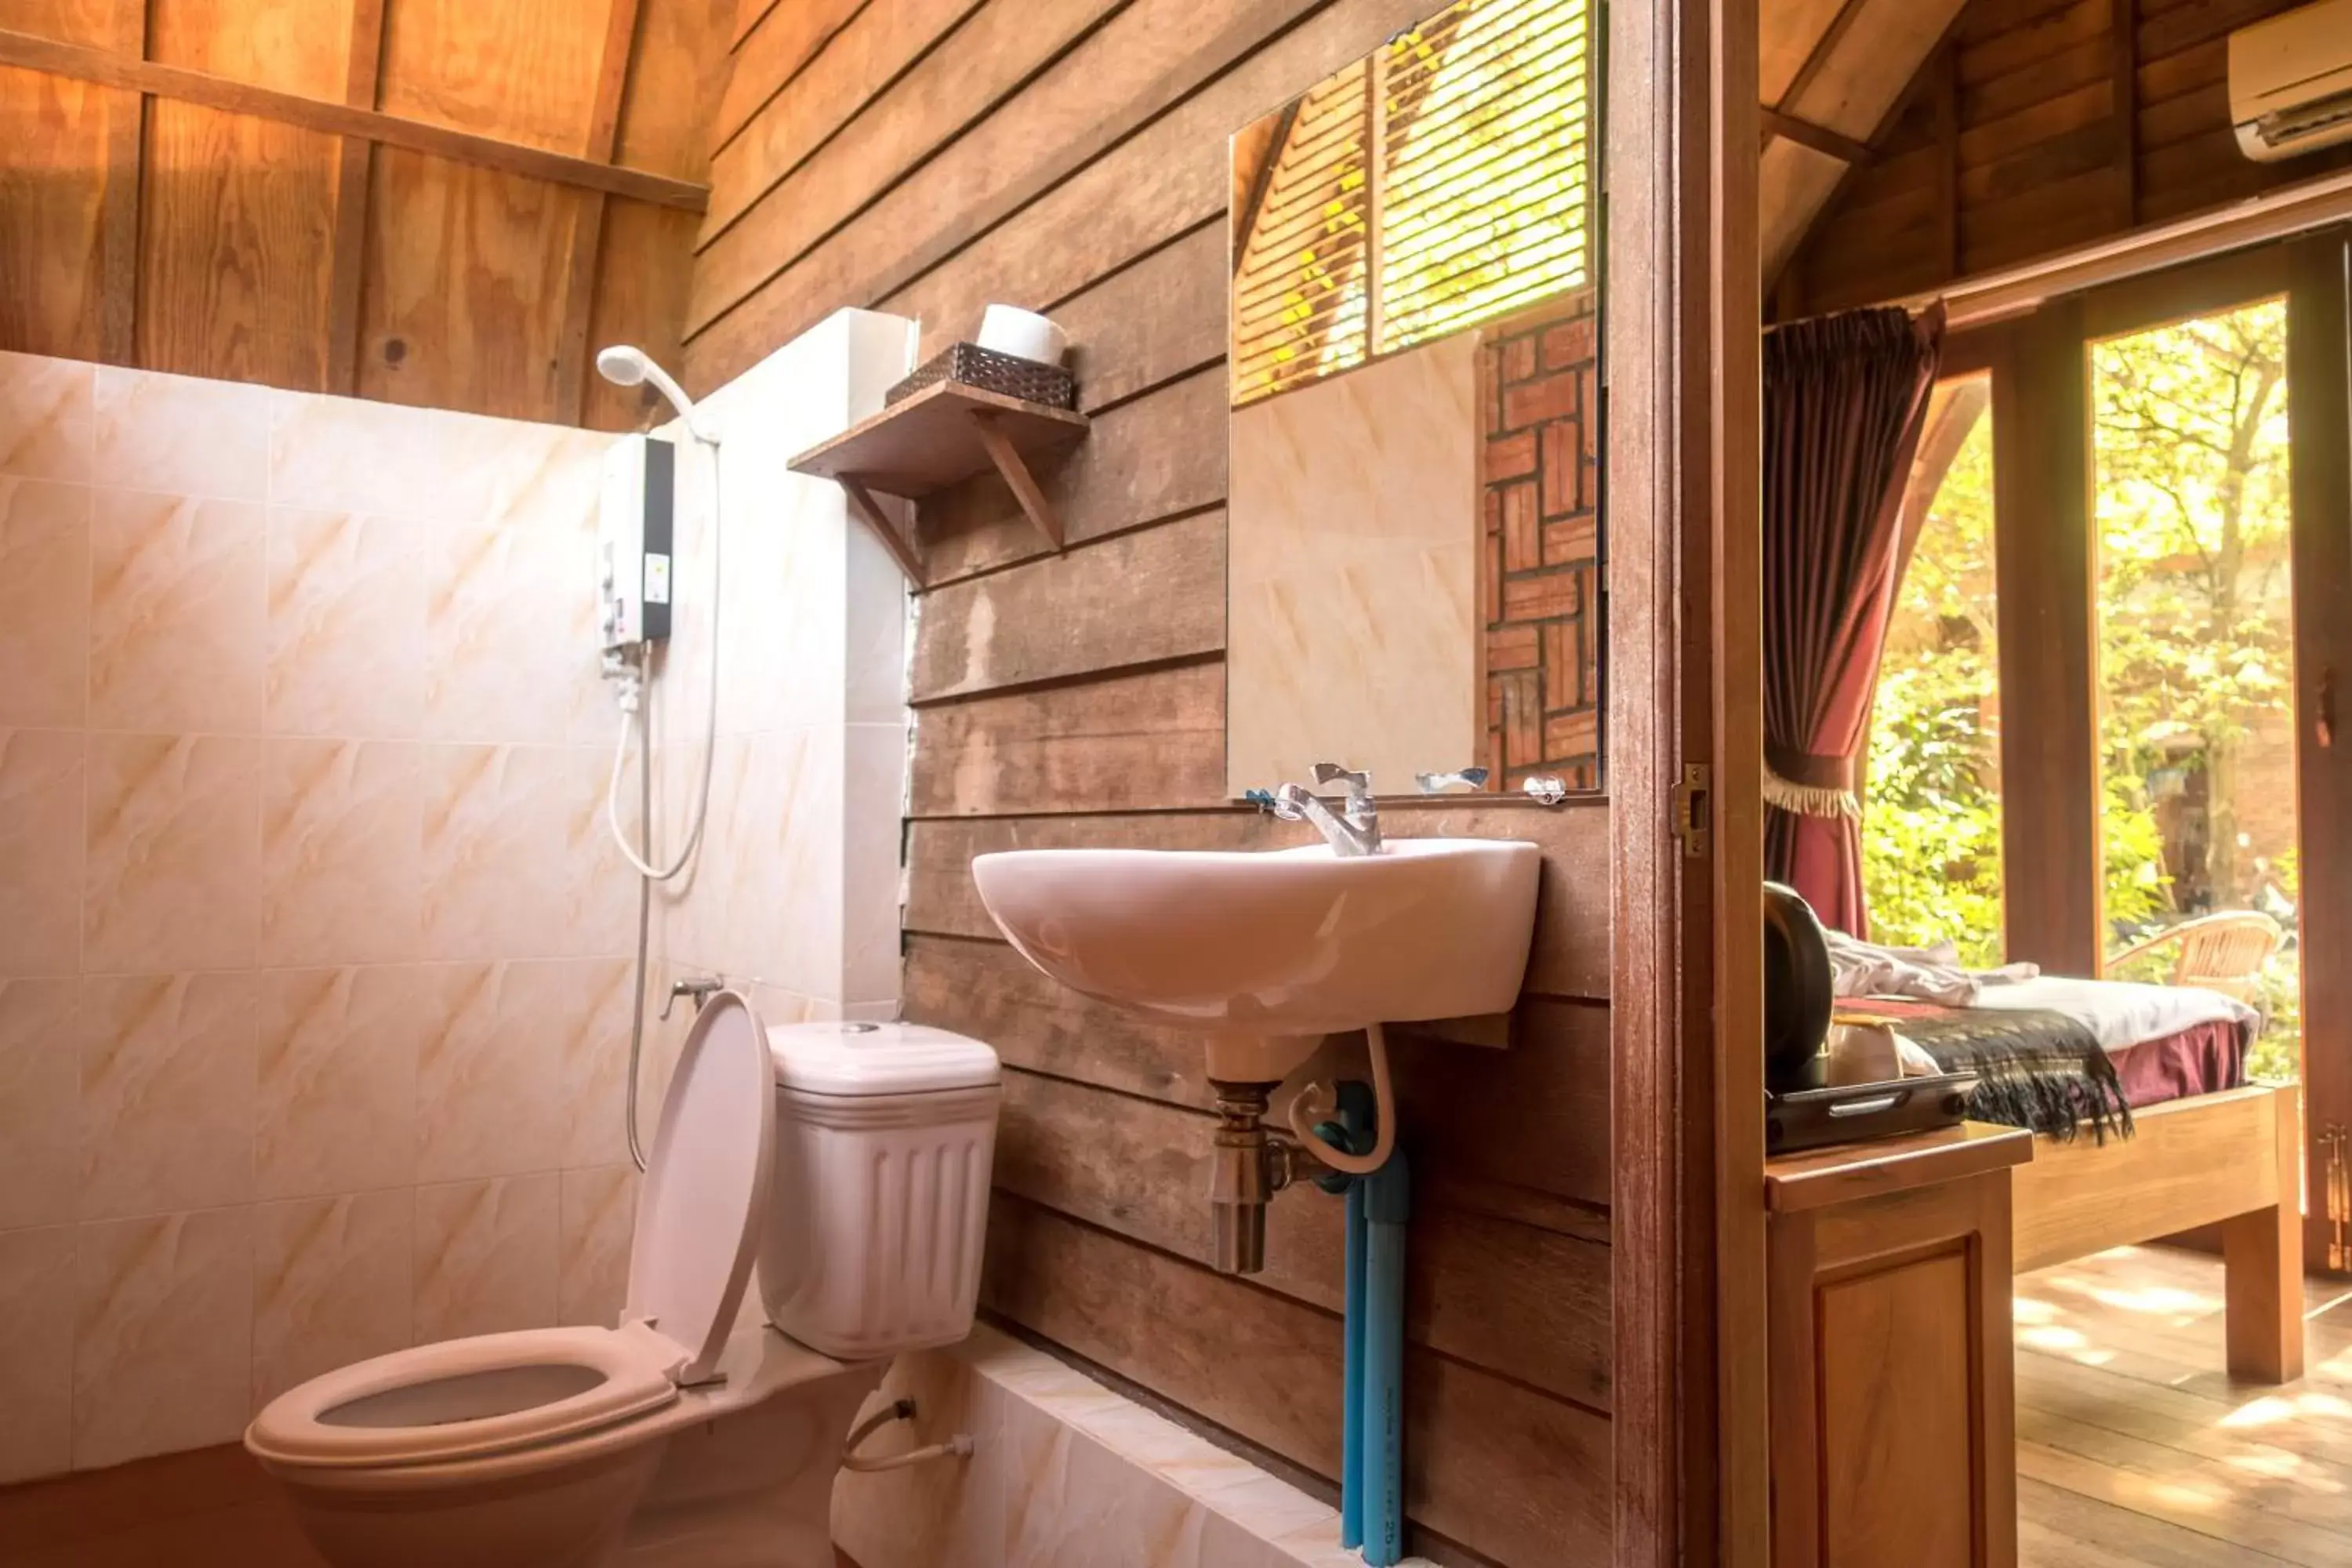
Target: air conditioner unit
{"type": "Point", "coordinates": [2291, 81]}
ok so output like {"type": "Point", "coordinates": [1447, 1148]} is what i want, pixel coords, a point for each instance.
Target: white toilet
{"type": "Point", "coordinates": [850, 1162]}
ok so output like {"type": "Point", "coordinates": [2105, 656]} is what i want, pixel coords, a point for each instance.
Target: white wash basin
{"type": "Point", "coordinates": [1283, 942]}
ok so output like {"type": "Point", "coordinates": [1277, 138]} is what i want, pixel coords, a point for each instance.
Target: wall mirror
{"type": "Point", "coordinates": [1413, 570]}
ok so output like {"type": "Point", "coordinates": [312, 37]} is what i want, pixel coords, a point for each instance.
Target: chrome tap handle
{"type": "Point", "coordinates": [1439, 784]}
{"type": "Point", "coordinates": [700, 989]}
{"type": "Point", "coordinates": [1361, 809]}
{"type": "Point", "coordinates": [1357, 832]}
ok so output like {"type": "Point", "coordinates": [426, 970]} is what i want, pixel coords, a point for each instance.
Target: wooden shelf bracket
{"type": "Point", "coordinates": [902, 548]}
{"type": "Point", "coordinates": [1009, 463]}
{"type": "Point", "coordinates": [941, 435]}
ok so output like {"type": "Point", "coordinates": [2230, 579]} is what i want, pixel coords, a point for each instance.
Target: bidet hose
{"type": "Point", "coordinates": [960, 1445]}
{"type": "Point", "coordinates": [1313, 1104]}
{"type": "Point", "coordinates": [644, 934]}
{"type": "Point", "coordinates": [631, 705]}
{"type": "Point", "coordinates": [634, 716]}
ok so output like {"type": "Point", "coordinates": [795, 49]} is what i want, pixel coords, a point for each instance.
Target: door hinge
{"type": "Point", "coordinates": [1694, 810]}
{"type": "Point", "coordinates": [2339, 1200]}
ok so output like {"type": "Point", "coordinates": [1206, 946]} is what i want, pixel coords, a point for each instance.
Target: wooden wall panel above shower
{"type": "Point", "coordinates": [433, 202]}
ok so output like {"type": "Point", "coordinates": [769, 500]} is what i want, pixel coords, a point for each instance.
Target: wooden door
{"type": "Point", "coordinates": [2310, 273]}
{"type": "Point", "coordinates": [2047, 474]}
{"type": "Point", "coordinates": [2319, 378]}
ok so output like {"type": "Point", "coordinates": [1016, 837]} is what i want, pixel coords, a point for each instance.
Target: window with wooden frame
{"type": "Point", "coordinates": [1442, 181]}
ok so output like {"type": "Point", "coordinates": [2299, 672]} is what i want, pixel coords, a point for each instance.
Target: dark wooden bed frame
{"type": "Point", "coordinates": [2233, 1160]}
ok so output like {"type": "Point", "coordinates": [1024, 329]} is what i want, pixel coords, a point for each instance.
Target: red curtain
{"type": "Point", "coordinates": [1845, 397]}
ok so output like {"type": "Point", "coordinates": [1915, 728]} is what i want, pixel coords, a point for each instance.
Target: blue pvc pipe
{"type": "Point", "coordinates": [1388, 1202]}
{"type": "Point", "coordinates": [1356, 1114]}
{"type": "Point", "coordinates": [1351, 1436]}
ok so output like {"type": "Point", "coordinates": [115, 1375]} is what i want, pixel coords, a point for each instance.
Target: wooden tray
{"type": "Point", "coordinates": [1816, 1118]}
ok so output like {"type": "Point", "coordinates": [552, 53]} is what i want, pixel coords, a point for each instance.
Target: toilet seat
{"type": "Point", "coordinates": [471, 1398]}
{"type": "Point", "coordinates": [700, 1208]}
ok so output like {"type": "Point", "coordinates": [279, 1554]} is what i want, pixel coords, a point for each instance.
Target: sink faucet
{"type": "Point", "coordinates": [1355, 832]}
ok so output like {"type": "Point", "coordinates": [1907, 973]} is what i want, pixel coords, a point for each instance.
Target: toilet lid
{"type": "Point", "coordinates": [706, 1186]}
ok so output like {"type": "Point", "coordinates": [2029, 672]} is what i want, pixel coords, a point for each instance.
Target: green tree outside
{"type": "Point", "coordinates": [1931, 826]}
{"type": "Point", "coordinates": [2196, 630]}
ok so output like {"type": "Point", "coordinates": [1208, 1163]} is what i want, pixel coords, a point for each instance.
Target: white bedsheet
{"type": "Point", "coordinates": [1859, 968]}
{"type": "Point", "coordinates": [2121, 1012]}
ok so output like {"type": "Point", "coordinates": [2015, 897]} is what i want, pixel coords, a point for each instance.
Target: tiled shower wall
{"type": "Point", "coordinates": [313, 951]}
{"type": "Point", "coordinates": [795, 899]}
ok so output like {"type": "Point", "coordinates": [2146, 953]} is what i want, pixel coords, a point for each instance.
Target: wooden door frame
{"type": "Point", "coordinates": [2045, 588]}
{"type": "Point", "coordinates": [1684, 334]}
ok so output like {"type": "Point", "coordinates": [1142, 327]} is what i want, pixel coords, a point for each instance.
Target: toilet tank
{"type": "Point", "coordinates": [884, 1135]}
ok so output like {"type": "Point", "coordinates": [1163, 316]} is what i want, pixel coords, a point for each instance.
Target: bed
{"type": "Point", "coordinates": [2231, 1159]}
{"type": "Point", "coordinates": [2205, 1149]}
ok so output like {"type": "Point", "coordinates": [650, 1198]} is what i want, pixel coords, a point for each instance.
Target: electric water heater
{"type": "Point", "coordinates": [633, 542]}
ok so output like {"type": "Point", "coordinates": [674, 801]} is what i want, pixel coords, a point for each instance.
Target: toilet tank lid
{"type": "Point", "coordinates": [855, 1058]}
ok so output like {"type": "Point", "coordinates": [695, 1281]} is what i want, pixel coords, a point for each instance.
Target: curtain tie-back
{"type": "Point", "coordinates": [1808, 783]}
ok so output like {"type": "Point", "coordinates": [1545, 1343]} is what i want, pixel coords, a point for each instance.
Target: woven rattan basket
{"type": "Point", "coordinates": [972, 366]}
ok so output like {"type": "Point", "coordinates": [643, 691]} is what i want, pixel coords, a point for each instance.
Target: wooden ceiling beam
{"type": "Point", "coordinates": [2280, 214]}
{"type": "Point", "coordinates": [1820, 137]}
{"type": "Point", "coordinates": [611, 80]}
{"type": "Point", "coordinates": [1818, 60]}
{"type": "Point", "coordinates": [126, 138]}
{"type": "Point", "coordinates": [25, 52]}
{"type": "Point", "coordinates": [355, 163]}
{"type": "Point", "coordinates": [588, 227]}
{"type": "Point", "coordinates": [1932, 67]}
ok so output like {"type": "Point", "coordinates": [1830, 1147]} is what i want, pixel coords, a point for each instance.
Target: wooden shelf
{"type": "Point", "coordinates": [941, 435]}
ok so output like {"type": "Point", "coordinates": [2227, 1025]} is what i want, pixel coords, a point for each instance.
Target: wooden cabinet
{"type": "Point", "coordinates": [1893, 1427]}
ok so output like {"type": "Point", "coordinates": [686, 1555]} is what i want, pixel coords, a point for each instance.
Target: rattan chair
{"type": "Point", "coordinates": [2222, 953]}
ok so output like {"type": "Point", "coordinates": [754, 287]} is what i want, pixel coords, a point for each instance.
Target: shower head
{"type": "Point", "coordinates": [625, 365]}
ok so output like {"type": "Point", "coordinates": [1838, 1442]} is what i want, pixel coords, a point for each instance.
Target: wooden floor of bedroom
{"type": "Point", "coordinates": [2134, 1446]}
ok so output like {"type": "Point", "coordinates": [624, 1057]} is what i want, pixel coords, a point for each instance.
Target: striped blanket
{"type": "Point", "coordinates": [2036, 1068]}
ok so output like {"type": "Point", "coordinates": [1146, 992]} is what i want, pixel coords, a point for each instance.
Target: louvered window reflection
{"type": "Point", "coordinates": [1443, 182]}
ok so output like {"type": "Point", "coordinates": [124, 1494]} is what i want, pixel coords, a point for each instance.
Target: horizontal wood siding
{"type": "Point", "coordinates": [1072, 157]}
{"type": "Point", "coordinates": [2070, 121]}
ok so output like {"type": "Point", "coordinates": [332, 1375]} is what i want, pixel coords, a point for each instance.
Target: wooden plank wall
{"type": "Point", "coordinates": [1070, 155]}
{"type": "Point", "coordinates": [2039, 126]}
{"type": "Point", "coordinates": [209, 219]}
